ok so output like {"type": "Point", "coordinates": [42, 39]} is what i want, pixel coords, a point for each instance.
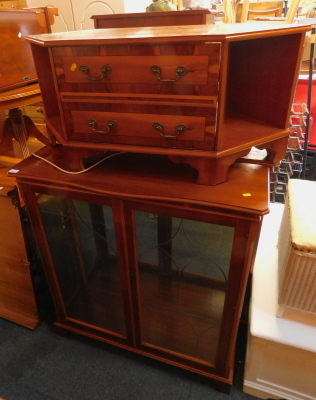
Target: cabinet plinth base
{"type": "Point", "coordinates": [211, 171]}
{"type": "Point", "coordinates": [212, 167]}
{"type": "Point", "coordinates": [220, 384]}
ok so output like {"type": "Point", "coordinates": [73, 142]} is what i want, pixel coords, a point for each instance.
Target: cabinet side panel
{"type": "Point", "coordinates": [46, 80]}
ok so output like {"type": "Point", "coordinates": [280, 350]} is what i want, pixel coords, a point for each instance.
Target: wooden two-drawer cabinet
{"type": "Point", "coordinates": [201, 94]}
{"type": "Point", "coordinates": [138, 255]}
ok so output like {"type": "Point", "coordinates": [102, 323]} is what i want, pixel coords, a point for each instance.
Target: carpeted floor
{"type": "Point", "coordinates": [45, 365]}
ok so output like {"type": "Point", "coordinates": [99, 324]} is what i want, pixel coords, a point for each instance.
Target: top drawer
{"type": "Point", "coordinates": [174, 69]}
{"type": "Point", "coordinates": [182, 70]}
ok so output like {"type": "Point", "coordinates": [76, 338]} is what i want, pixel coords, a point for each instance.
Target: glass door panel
{"type": "Point", "coordinates": [183, 268]}
{"type": "Point", "coordinates": [82, 244]}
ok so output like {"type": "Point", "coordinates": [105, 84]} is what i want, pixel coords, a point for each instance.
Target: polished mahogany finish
{"type": "Point", "coordinates": [201, 94]}
{"type": "Point", "coordinates": [139, 256]}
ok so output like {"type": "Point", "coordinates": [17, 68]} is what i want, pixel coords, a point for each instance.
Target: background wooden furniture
{"type": "Point", "coordinates": [306, 9]}
{"type": "Point", "coordinates": [15, 24]}
{"type": "Point", "coordinates": [267, 14]}
{"type": "Point", "coordinates": [203, 103]}
{"type": "Point", "coordinates": [17, 300]}
{"type": "Point", "coordinates": [178, 4]}
{"type": "Point", "coordinates": [18, 127]}
{"type": "Point", "coordinates": [13, 4]}
{"type": "Point", "coordinates": [166, 18]}
{"type": "Point", "coordinates": [139, 256]}
{"type": "Point", "coordinates": [274, 12]}
{"type": "Point", "coordinates": [260, 6]}
{"type": "Point", "coordinates": [18, 80]}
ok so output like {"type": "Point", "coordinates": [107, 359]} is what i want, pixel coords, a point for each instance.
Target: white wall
{"type": "Point", "coordinates": [75, 14]}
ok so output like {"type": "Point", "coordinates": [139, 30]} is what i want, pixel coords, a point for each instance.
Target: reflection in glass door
{"type": "Point", "coordinates": [82, 244]}
{"type": "Point", "coordinates": [183, 268]}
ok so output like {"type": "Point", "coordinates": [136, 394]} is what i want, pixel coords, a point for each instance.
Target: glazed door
{"type": "Point", "coordinates": [164, 280]}
{"type": "Point", "coordinates": [188, 270]}
{"type": "Point", "coordinates": [86, 264]}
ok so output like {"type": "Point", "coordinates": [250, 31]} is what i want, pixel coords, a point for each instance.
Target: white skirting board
{"type": "Point", "coordinates": [281, 354]}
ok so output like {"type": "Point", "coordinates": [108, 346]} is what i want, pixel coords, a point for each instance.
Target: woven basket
{"type": "Point", "coordinates": [297, 254]}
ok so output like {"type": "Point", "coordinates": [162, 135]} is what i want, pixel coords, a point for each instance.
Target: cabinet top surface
{"type": "Point", "coordinates": [222, 32]}
{"type": "Point", "coordinates": [152, 178]}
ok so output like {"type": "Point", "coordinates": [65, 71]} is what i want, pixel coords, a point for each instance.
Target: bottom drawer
{"type": "Point", "coordinates": [180, 126]}
{"type": "Point", "coordinates": [137, 128]}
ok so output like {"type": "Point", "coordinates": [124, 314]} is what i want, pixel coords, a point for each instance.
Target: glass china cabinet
{"type": "Point", "coordinates": [138, 257]}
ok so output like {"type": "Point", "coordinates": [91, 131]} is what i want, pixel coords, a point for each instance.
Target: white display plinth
{"type": "Point", "coordinates": [281, 354]}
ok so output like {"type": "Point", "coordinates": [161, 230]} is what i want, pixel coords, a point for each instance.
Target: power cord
{"type": "Point", "coordinates": [77, 172]}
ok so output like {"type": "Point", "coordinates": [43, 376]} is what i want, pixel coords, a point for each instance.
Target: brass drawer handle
{"type": "Point", "coordinates": [105, 70]}
{"type": "Point", "coordinates": [179, 128]}
{"type": "Point", "coordinates": [110, 125]}
{"type": "Point", "coordinates": [180, 71]}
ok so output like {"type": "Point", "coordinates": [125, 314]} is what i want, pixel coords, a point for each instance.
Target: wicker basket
{"type": "Point", "coordinates": [297, 254]}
